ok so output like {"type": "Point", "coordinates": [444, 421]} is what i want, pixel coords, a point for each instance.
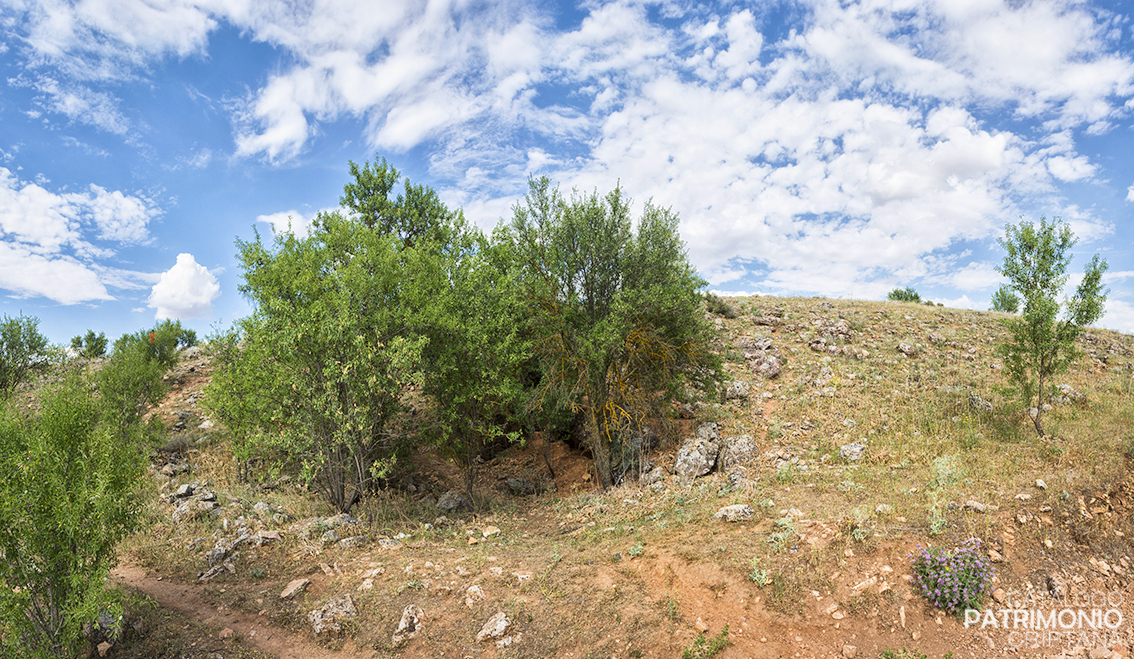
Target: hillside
{"type": "Point", "coordinates": [875, 428]}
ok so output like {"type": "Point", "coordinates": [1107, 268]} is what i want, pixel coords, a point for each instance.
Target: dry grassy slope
{"type": "Point", "coordinates": [633, 572]}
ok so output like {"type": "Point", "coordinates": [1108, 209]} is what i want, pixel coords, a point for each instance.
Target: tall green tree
{"type": "Point", "coordinates": [1042, 339]}
{"type": "Point", "coordinates": [616, 312]}
{"type": "Point", "coordinates": [327, 354]}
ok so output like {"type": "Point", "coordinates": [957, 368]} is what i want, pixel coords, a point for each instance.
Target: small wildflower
{"type": "Point", "coordinates": [953, 580]}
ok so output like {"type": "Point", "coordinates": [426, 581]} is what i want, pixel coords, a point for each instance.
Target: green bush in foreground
{"type": "Point", "coordinates": [67, 497]}
{"type": "Point", "coordinates": [90, 346]}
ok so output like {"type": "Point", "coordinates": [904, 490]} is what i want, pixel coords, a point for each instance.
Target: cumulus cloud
{"type": "Point", "coordinates": [186, 290]}
{"type": "Point", "coordinates": [863, 140]}
{"type": "Point", "coordinates": [47, 239]}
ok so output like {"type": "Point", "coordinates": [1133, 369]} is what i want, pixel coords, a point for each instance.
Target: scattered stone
{"type": "Point", "coordinates": [186, 490]}
{"type": "Point", "coordinates": [408, 626]}
{"type": "Point", "coordinates": [388, 543]}
{"type": "Point", "coordinates": [736, 452]}
{"type": "Point", "coordinates": [999, 595]}
{"type": "Point", "coordinates": [738, 390]}
{"type": "Point", "coordinates": [490, 531]}
{"type": "Point", "coordinates": [740, 512]}
{"type": "Point", "coordinates": [496, 626]}
{"type": "Point", "coordinates": [698, 456]}
{"type": "Point", "coordinates": [226, 633]}
{"type": "Point", "coordinates": [908, 350]}
{"type": "Point", "coordinates": [850, 651]}
{"type": "Point", "coordinates": [1056, 586]}
{"type": "Point", "coordinates": [329, 536]}
{"type": "Point", "coordinates": [884, 509]}
{"type": "Point", "coordinates": [765, 364]}
{"type": "Point", "coordinates": [331, 616]}
{"type": "Point", "coordinates": [103, 648]}
{"type": "Point", "coordinates": [473, 595]}
{"type": "Point", "coordinates": [352, 542]}
{"type": "Point", "coordinates": [979, 404]}
{"type": "Point", "coordinates": [737, 477]}
{"type": "Point", "coordinates": [263, 509]}
{"type": "Point", "coordinates": [981, 507]}
{"type": "Point", "coordinates": [1040, 484]}
{"type": "Point", "coordinates": [453, 501]}
{"type": "Point", "coordinates": [295, 587]}
{"type": "Point", "coordinates": [852, 452]}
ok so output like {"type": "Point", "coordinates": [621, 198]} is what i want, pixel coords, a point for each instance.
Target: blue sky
{"type": "Point", "coordinates": [818, 147]}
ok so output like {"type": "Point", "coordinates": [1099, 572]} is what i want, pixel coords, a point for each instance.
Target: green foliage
{"type": "Point", "coordinates": [468, 307]}
{"type": "Point", "coordinates": [718, 306]}
{"type": "Point", "coordinates": [90, 346]}
{"type": "Point", "coordinates": [906, 294]}
{"type": "Point", "coordinates": [326, 355]}
{"type": "Point", "coordinates": [757, 575]}
{"type": "Point", "coordinates": [615, 314]}
{"type": "Point", "coordinates": [158, 345]}
{"type": "Point", "coordinates": [69, 494]}
{"type": "Point", "coordinates": [23, 351]}
{"type": "Point", "coordinates": [1041, 344]}
{"type": "Point", "coordinates": [703, 647]}
{"type": "Point", "coordinates": [130, 381]}
{"type": "Point", "coordinates": [414, 214]}
{"type": "Point", "coordinates": [1005, 301]}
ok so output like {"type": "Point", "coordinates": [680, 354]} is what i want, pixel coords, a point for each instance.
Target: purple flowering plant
{"type": "Point", "coordinates": [953, 580]}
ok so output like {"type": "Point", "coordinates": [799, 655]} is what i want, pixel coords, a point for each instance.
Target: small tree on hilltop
{"type": "Point", "coordinates": [906, 294]}
{"type": "Point", "coordinates": [1005, 301]}
{"type": "Point", "coordinates": [1041, 344]}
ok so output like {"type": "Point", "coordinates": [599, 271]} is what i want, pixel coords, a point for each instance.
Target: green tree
{"type": "Point", "coordinates": [68, 496]}
{"type": "Point", "coordinates": [414, 214]}
{"type": "Point", "coordinates": [906, 294]}
{"type": "Point", "coordinates": [90, 346]}
{"type": "Point", "coordinates": [23, 351]}
{"type": "Point", "coordinates": [1042, 341]}
{"type": "Point", "coordinates": [1005, 301]}
{"type": "Point", "coordinates": [616, 314]}
{"type": "Point", "coordinates": [471, 313]}
{"type": "Point", "coordinates": [326, 354]}
{"type": "Point", "coordinates": [159, 344]}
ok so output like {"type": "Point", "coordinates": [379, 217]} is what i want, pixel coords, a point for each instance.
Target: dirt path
{"type": "Point", "coordinates": [190, 601]}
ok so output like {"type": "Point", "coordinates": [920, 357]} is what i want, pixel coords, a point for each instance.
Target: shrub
{"type": "Point", "coordinates": [615, 313]}
{"type": "Point", "coordinates": [953, 580]}
{"type": "Point", "coordinates": [23, 350]}
{"type": "Point", "coordinates": [159, 344]}
{"type": "Point", "coordinates": [718, 306]}
{"type": "Point", "coordinates": [906, 294]}
{"type": "Point", "coordinates": [90, 346]}
{"type": "Point", "coordinates": [68, 495]}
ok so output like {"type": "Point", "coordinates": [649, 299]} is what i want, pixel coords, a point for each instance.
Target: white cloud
{"type": "Point", "coordinates": [1130, 193]}
{"type": "Point", "coordinates": [46, 239]}
{"type": "Point", "coordinates": [1119, 316]}
{"type": "Point", "coordinates": [285, 221]}
{"type": "Point", "coordinates": [63, 279]}
{"type": "Point", "coordinates": [186, 290]}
